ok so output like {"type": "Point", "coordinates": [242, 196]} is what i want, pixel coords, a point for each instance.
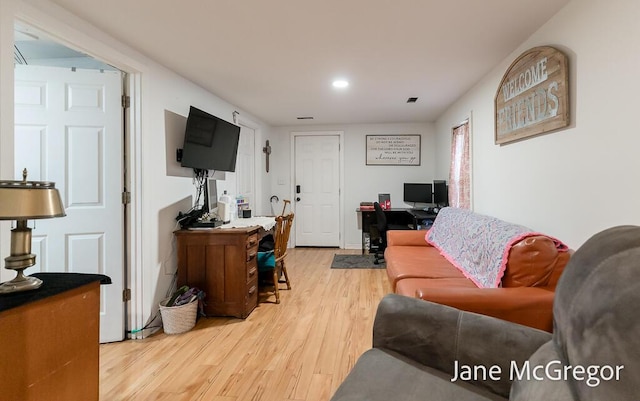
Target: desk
{"type": "Point", "coordinates": [222, 262]}
{"type": "Point", "coordinates": [414, 218]}
{"type": "Point", "coordinates": [50, 339]}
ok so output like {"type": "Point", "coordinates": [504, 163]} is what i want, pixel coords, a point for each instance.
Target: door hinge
{"type": "Point", "coordinates": [126, 295]}
{"type": "Point", "coordinates": [126, 101]}
{"type": "Point", "coordinates": [126, 197]}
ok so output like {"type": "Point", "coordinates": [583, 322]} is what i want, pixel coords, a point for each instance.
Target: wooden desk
{"type": "Point", "coordinates": [222, 263]}
{"type": "Point", "coordinates": [50, 340]}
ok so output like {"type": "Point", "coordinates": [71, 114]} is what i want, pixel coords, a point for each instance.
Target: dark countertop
{"type": "Point", "coordinates": [53, 284]}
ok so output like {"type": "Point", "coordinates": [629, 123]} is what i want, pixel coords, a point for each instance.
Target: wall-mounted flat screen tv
{"type": "Point", "coordinates": [210, 143]}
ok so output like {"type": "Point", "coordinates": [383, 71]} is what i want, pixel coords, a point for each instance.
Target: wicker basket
{"type": "Point", "coordinates": [178, 319]}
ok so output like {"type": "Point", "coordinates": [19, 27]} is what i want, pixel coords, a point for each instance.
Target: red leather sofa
{"type": "Point", "coordinates": [534, 265]}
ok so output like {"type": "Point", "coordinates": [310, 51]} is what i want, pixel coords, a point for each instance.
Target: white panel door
{"type": "Point", "coordinates": [317, 190]}
{"type": "Point", "coordinates": [68, 129]}
{"type": "Point", "coordinates": [245, 166]}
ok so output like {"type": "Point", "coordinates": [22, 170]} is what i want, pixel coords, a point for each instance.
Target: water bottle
{"type": "Point", "coordinates": [224, 207]}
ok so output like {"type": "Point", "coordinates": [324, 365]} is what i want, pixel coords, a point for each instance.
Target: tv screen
{"type": "Point", "coordinates": [440, 193]}
{"type": "Point", "coordinates": [417, 193]}
{"type": "Point", "coordinates": [210, 143]}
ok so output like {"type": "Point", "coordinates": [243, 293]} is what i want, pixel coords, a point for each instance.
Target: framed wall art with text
{"type": "Point", "coordinates": [393, 150]}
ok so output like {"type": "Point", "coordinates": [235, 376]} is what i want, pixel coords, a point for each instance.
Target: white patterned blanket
{"type": "Point", "coordinates": [478, 245]}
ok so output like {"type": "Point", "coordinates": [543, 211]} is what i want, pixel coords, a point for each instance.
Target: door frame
{"type": "Point", "coordinates": [257, 150]}
{"type": "Point", "coordinates": [292, 174]}
{"type": "Point", "coordinates": [49, 21]}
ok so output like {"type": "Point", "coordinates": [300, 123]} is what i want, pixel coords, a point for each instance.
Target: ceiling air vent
{"type": "Point", "coordinates": [412, 100]}
{"type": "Point", "coordinates": [305, 118]}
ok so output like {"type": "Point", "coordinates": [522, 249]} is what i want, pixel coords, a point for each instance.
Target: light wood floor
{"type": "Point", "coordinates": [300, 349]}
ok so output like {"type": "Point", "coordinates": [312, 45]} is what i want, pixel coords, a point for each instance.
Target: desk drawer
{"type": "Point", "coordinates": [252, 270]}
{"type": "Point", "coordinates": [252, 255]}
{"type": "Point", "coordinates": [252, 240]}
{"type": "Point", "coordinates": [252, 294]}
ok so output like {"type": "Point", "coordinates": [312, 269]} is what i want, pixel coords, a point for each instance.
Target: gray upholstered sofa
{"type": "Point", "coordinates": [426, 351]}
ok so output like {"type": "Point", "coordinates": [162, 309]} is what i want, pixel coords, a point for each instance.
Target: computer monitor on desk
{"type": "Point", "coordinates": [440, 193]}
{"type": "Point", "coordinates": [418, 193]}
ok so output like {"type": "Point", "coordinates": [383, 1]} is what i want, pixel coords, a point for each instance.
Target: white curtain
{"type": "Point", "coordinates": [460, 172]}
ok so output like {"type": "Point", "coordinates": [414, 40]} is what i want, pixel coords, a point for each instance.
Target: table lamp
{"type": "Point", "coordinates": [22, 201]}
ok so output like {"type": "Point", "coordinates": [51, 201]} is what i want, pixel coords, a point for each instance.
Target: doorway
{"type": "Point", "coordinates": [317, 179]}
{"type": "Point", "coordinates": [243, 182]}
{"type": "Point", "coordinates": [245, 166]}
{"type": "Point", "coordinates": [69, 129]}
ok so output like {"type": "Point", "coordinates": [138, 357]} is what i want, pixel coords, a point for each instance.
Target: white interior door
{"type": "Point", "coordinates": [245, 166]}
{"type": "Point", "coordinates": [69, 131]}
{"type": "Point", "coordinates": [317, 190]}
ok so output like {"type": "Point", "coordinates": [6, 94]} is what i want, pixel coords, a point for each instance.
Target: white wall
{"type": "Point", "coordinates": [577, 181]}
{"type": "Point", "coordinates": [361, 182]}
{"type": "Point", "coordinates": [161, 196]}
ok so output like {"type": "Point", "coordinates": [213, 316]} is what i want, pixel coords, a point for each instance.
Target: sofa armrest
{"type": "Point", "coordinates": [443, 337]}
{"type": "Point", "coordinates": [530, 306]}
{"type": "Point", "coordinates": [406, 238]}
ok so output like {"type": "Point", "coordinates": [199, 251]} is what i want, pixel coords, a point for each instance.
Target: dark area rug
{"type": "Point", "coordinates": [355, 262]}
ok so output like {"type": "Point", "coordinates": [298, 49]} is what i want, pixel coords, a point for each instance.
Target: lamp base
{"type": "Point", "coordinates": [20, 283]}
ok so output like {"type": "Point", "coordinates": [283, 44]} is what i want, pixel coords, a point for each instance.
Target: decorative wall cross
{"type": "Point", "coordinates": [267, 151]}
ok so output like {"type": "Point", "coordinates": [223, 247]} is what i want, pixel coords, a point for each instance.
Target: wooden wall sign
{"type": "Point", "coordinates": [533, 96]}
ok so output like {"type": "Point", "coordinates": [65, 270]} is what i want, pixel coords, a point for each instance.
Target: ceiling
{"type": "Point", "coordinates": [276, 59]}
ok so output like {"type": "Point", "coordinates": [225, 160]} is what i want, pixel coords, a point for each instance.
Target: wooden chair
{"type": "Point", "coordinates": [284, 206]}
{"type": "Point", "coordinates": [281, 239]}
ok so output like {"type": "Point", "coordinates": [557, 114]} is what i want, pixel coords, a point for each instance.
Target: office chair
{"type": "Point", "coordinates": [383, 227]}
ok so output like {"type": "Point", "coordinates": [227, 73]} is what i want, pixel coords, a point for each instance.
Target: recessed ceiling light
{"type": "Point", "coordinates": [412, 100]}
{"type": "Point", "coordinates": [340, 83]}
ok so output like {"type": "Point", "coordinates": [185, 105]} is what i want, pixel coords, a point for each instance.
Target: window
{"type": "Point", "coordinates": [460, 172]}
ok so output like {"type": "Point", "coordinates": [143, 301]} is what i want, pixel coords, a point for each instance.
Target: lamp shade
{"type": "Point", "coordinates": [29, 200]}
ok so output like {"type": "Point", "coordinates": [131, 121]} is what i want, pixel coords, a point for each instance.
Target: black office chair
{"type": "Point", "coordinates": [383, 227]}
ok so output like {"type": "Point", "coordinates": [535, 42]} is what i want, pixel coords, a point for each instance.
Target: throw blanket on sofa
{"type": "Point", "coordinates": [477, 245]}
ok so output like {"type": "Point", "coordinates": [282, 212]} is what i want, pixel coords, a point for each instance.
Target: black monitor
{"type": "Point", "coordinates": [418, 193]}
{"type": "Point", "coordinates": [210, 143]}
{"type": "Point", "coordinates": [440, 193]}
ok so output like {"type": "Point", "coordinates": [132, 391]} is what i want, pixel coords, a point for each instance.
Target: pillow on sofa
{"type": "Point", "coordinates": [478, 245]}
